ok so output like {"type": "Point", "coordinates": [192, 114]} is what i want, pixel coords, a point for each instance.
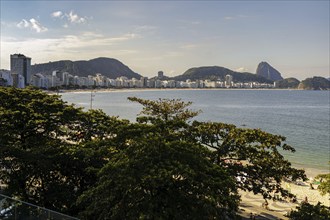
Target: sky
{"type": "Point", "coordinates": [171, 36]}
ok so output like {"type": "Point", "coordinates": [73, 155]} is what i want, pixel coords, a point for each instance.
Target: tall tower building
{"type": "Point", "coordinates": [21, 65]}
{"type": "Point", "coordinates": [228, 80]}
{"type": "Point", "coordinates": [160, 74]}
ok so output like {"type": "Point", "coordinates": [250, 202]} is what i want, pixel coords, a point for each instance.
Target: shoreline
{"type": "Point", "coordinates": [163, 89]}
{"type": "Point", "coordinates": [311, 172]}
{"type": "Point", "coordinates": [251, 203]}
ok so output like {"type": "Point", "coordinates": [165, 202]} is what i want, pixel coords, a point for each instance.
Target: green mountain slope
{"type": "Point", "coordinates": [109, 67]}
{"type": "Point", "coordinates": [288, 83]}
{"type": "Point", "coordinates": [315, 83]}
{"type": "Point", "coordinates": [219, 73]}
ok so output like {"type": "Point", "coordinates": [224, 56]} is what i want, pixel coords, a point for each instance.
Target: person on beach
{"type": "Point", "coordinates": [305, 200]}
{"type": "Point", "coordinates": [294, 200]}
{"type": "Point", "coordinates": [265, 205]}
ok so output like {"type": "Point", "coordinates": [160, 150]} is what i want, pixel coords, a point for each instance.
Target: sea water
{"type": "Point", "coordinates": [301, 116]}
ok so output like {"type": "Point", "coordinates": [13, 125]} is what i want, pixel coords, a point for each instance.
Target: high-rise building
{"type": "Point", "coordinates": [160, 74]}
{"type": "Point", "coordinates": [144, 81]}
{"type": "Point", "coordinates": [21, 65]}
{"type": "Point", "coordinates": [228, 81]}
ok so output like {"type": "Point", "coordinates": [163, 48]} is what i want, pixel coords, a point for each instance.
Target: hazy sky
{"type": "Point", "coordinates": [173, 36]}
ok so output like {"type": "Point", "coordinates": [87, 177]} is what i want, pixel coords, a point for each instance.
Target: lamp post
{"type": "Point", "coordinates": [92, 98]}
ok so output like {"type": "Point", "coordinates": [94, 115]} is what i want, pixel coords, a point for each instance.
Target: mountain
{"type": "Point", "coordinates": [315, 83]}
{"type": "Point", "coordinates": [217, 72]}
{"type": "Point", "coordinates": [267, 71]}
{"type": "Point", "coordinates": [288, 83]}
{"type": "Point", "coordinates": [109, 67]}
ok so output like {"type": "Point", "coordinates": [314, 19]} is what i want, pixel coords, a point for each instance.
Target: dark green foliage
{"type": "Point", "coordinates": [45, 157]}
{"type": "Point", "coordinates": [157, 178]}
{"type": "Point", "coordinates": [109, 67]}
{"type": "Point", "coordinates": [31, 150]}
{"type": "Point", "coordinates": [315, 83]}
{"type": "Point", "coordinates": [324, 186]}
{"type": "Point", "coordinates": [219, 73]}
{"type": "Point", "coordinates": [163, 167]}
{"type": "Point", "coordinates": [288, 83]}
{"type": "Point", "coordinates": [308, 211]}
{"type": "Point", "coordinates": [158, 175]}
{"type": "Point", "coordinates": [251, 155]}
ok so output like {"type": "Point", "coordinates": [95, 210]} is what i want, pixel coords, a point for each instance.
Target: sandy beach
{"type": "Point", "coordinates": [88, 90]}
{"type": "Point", "coordinates": [277, 209]}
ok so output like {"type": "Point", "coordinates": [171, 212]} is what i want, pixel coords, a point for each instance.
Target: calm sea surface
{"type": "Point", "coordinates": [301, 116]}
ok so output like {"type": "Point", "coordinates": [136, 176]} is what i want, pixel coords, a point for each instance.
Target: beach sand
{"type": "Point", "coordinates": [277, 209]}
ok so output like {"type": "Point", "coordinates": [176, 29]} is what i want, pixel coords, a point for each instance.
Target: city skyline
{"type": "Point", "coordinates": [148, 36]}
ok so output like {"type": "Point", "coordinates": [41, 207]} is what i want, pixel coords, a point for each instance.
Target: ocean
{"type": "Point", "coordinates": [303, 117]}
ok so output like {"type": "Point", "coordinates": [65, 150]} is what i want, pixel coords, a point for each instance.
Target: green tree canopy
{"type": "Point", "coordinates": [308, 211]}
{"type": "Point", "coordinates": [251, 155]}
{"type": "Point", "coordinates": [165, 152]}
{"type": "Point", "coordinates": [45, 155]}
{"type": "Point", "coordinates": [324, 186]}
{"type": "Point", "coordinates": [153, 177]}
{"type": "Point", "coordinates": [164, 166]}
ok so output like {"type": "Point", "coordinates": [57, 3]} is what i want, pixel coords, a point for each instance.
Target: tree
{"type": "Point", "coordinates": [45, 153]}
{"type": "Point", "coordinates": [308, 211]}
{"type": "Point", "coordinates": [324, 186]}
{"type": "Point", "coordinates": [165, 153]}
{"type": "Point", "coordinates": [31, 150]}
{"type": "Point", "coordinates": [157, 175]}
{"type": "Point", "coordinates": [164, 166]}
{"type": "Point", "coordinates": [251, 155]}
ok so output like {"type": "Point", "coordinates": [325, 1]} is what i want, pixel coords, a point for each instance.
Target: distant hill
{"type": "Point", "coordinates": [315, 83]}
{"type": "Point", "coordinates": [267, 71]}
{"type": "Point", "coordinates": [109, 67]}
{"type": "Point", "coordinates": [288, 83]}
{"type": "Point", "coordinates": [216, 72]}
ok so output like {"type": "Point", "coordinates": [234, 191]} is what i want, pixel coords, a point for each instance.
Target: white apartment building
{"type": "Point", "coordinates": [7, 78]}
{"type": "Point", "coordinates": [40, 81]}
{"type": "Point", "coordinates": [18, 80]}
{"type": "Point", "coordinates": [228, 81]}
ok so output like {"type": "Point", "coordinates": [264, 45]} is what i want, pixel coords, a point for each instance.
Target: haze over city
{"type": "Point", "coordinates": [173, 36]}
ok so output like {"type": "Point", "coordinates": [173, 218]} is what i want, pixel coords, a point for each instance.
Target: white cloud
{"type": "Point", "coordinates": [23, 24]}
{"type": "Point", "coordinates": [33, 24]}
{"type": "Point", "coordinates": [69, 46]}
{"type": "Point", "coordinates": [56, 14]}
{"type": "Point", "coordinates": [75, 18]}
{"type": "Point", "coordinates": [242, 69]}
{"type": "Point", "coordinates": [69, 18]}
{"type": "Point", "coordinates": [37, 26]}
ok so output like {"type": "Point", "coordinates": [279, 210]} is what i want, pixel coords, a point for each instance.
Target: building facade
{"type": "Point", "coordinates": [228, 81]}
{"type": "Point", "coordinates": [20, 64]}
{"type": "Point", "coordinates": [6, 79]}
